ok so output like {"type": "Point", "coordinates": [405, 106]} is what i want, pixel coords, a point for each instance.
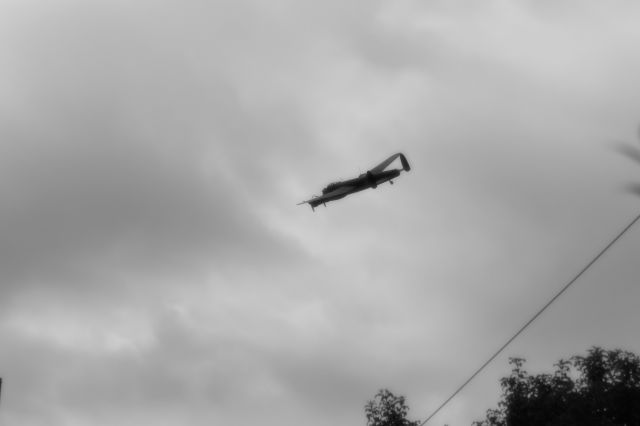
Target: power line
{"type": "Point", "coordinates": [553, 299]}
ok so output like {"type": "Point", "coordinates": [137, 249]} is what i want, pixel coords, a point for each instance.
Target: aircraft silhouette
{"type": "Point", "coordinates": [370, 179]}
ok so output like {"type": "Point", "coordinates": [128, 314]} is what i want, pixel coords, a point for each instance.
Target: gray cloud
{"type": "Point", "coordinates": [115, 158]}
{"type": "Point", "coordinates": [155, 268]}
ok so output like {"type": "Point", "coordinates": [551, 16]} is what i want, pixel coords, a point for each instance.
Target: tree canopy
{"type": "Point", "coordinates": [386, 409]}
{"type": "Point", "coordinates": [601, 388]}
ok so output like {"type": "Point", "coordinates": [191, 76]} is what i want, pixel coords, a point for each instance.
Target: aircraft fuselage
{"type": "Point", "coordinates": [362, 182]}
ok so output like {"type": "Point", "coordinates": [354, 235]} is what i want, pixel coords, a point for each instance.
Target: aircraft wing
{"type": "Point", "coordinates": [343, 190]}
{"type": "Point", "coordinates": [380, 167]}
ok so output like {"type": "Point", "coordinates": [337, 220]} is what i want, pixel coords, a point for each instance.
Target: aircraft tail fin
{"type": "Point", "coordinates": [380, 167]}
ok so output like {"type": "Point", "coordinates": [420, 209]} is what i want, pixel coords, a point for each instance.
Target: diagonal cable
{"type": "Point", "coordinates": [553, 299]}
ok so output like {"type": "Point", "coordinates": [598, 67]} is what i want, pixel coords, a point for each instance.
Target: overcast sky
{"type": "Point", "coordinates": [155, 268]}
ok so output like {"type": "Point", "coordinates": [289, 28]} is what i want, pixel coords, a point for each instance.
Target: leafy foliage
{"type": "Point", "coordinates": [602, 388]}
{"type": "Point", "coordinates": [386, 409]}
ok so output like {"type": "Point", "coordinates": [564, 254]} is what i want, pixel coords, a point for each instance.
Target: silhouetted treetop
{"type": "Point", "coordinates": [601, 388]}
{"type": "Point", "coordinates": [386, 409]}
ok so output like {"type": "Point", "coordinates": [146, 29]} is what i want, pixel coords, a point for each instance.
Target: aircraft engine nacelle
{"type": "Point", "coordinates": [371, 179]}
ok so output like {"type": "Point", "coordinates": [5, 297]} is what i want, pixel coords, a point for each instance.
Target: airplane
{"type": "Point", "coordinates": [370, 179]}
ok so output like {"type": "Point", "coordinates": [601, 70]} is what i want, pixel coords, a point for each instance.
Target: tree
{"type": "Point", "coordinates": [386, 409]}
{"type": "Point", "coordinates": [602, 388]}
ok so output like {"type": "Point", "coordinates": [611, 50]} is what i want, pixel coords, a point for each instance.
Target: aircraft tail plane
{"type": "Point", "coordinates": [405, 163]}
{"type": "Point", "coordinates": [380, 167]}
